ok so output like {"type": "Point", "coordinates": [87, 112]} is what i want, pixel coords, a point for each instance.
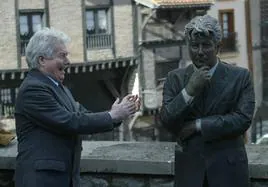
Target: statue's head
{"type": "Point", "coordinates": [203, 35]}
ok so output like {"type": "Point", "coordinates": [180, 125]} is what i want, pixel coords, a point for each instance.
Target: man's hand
{"type": "Point", "coordinates": [136, 100]}
{"type": "Point", "coordinates": [197, 81]}
{"type": "Point", "coordinates": [122, 110]}
{"type": "Point", "coordinates": [188, 130]}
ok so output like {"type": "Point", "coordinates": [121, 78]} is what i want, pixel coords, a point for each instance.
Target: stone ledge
{"type": "Point", "coordinates": [128, 157]}
{"type": "Point", "coordinates": [151, 158]}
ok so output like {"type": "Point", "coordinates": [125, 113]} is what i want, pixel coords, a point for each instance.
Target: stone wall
{"type": "Point", "coordinates": [121, 18]}
{"type": "Point", "coordinates": [8, 33]}
{"type": "Point", "coordinates": [31, 4]}
{"type": "Point", "coordinates": [123, 27]}
{"type": "Point", "coordinates": [119, 180]}
{"type": "Point", "coordinates": [133, 164]}
{"type": "Point", "coordinates": [67, 17]}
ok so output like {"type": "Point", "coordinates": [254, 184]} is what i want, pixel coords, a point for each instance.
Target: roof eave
{"type": "Point", "coordinates": [147, 3]}
{"type": "Point", "coordinates": [186, 6]}
{"type": "Point", "coordinates": [153, 5]}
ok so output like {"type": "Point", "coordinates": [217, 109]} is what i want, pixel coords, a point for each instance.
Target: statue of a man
{"type": "Point", "coordinates": [208, 106]}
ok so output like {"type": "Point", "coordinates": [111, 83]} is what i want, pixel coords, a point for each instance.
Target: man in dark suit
{"type": "Point", "coordinates": [208, 106]}
{"type": "Point", "coordinates": [49, 120]}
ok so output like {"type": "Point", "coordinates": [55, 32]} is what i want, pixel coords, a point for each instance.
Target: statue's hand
{"type": "Point", "coordinates": [197, 81]}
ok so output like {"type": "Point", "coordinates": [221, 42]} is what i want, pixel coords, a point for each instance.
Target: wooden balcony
{"type": "Point", "coordinates": [98, 41]}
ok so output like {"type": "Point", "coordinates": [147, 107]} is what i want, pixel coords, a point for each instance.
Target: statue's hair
{"type": "Point", "coordinates": [44, 43]}
{"type": "Point", "coordinates": [203, 25]}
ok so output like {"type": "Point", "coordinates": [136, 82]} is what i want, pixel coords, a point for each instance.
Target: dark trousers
{"type": "Point", "coordinates": [71, 183]}
{"type": "Point", "coordinates": [205, 183]}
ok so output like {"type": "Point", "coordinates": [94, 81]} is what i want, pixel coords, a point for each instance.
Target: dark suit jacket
{"type": "Point", "coordinates": [48, 124]}
{"type": "Point", "coordinates": [225, 108]}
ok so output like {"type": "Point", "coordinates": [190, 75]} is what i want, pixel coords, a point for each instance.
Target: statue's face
{"type": "Point", "coordinates": [203, 51]}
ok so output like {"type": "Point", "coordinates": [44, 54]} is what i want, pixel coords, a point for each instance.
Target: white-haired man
{"type": "Point", "coordinates": [49, 120]}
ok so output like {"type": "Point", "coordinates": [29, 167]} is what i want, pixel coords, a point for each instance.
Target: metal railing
{"type": "Point", "coordinates": [7, 101]}
{"type": "Point", "coordinates": [7, 109]}
{"type": "Point", "coordinates": [94, 41]}
{"type": "Point", "coordinates": [229, 42]}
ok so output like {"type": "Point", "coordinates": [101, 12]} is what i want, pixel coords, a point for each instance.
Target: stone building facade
{"type": "Point", "coordinates": [70, 17]}
{"type": "Point", "coordinates": [112, 41]}
{"type": "Point", "coordinates": [232, 16]}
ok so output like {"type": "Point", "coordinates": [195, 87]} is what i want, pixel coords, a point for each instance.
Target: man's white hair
{"type": "Point", "coordinates": [43, 43]}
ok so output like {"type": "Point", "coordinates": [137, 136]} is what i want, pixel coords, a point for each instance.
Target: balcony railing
{"type": "Point", "coordinates": [100, 41]}
{"type": "Point", "coordinates": [7, 101]}
{"type": "Point", "coordinates": [229, 43]}
{"type": "Point", "coordinates": [8, 109]}
{"type": "Point", "coordinates": [23, 45]}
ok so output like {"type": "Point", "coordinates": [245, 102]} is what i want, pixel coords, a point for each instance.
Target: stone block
{"type": "Point", "coordinates": [128, 182]}
{"type": "Point", "coordinates": [89, 181]}
{"type": "Point", "coordinates": [259, 183]}
{"type": "Point", "coordinates": [161, 182]}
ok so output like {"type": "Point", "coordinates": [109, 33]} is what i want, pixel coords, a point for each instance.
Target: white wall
{"type": "Point", "coordinates": [240, 58]}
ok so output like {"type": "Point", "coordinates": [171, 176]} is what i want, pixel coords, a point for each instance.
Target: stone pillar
{"type": "Point", "coordinates": [148, 74]}
{"type": "Point", "coordinates": [123, 28]}
{"type": "Point", "coordinates": [255, 18]}
{"type": "Point", "coordinates": [8, 35]}
{"type": "Point", "coordinates": [67, 17]}
{"type": "Point", "coordinates": [256, 54]}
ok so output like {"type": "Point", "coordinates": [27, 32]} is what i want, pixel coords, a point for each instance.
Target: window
{"type": "Point", "coordinates": [162, 68]}
{"type": "Point", "coordinates": [29, 24]}
{"type": "Point", "coordinates": [98, 28]}
{"type": "Point", "coordinates": [167, 58]}
{"type": "Point", "coordinates": [264, 33]}
{"type": "Point", "coordinates": [228, 34]}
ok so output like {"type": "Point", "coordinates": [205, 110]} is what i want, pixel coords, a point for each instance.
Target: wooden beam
{"type": "Point", "coordinates": [146, 11]}
{"type": "Point", "coordinates": [21, 75]}
{"type": "Point", "coordinates": [110, 86]}
{"type": "Point", "coordinates": [3, 76]}
{"type": "Point", "coordinates": [249, 37]}
{"type": "Point", "coordinates": [146, 19]}
{"type": "Point", "coordinates": [13, 75]}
